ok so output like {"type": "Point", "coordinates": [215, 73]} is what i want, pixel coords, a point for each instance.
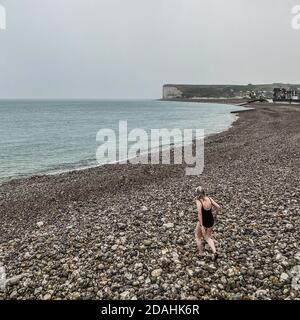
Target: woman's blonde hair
{"type": "Point", "coordinates": [200, 193]}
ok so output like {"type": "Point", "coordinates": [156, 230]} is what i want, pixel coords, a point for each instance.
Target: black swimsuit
{"type": "Point", "coordinates": [207, 217]}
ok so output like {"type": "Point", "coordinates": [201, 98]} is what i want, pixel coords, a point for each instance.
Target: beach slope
{"type": "Point", "coordinates": [125, 231]}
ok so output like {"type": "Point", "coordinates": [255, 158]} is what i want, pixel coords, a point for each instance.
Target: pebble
{"type": "Point", "coordinates": [128, 276]}
{"type": "Point", "coordinates": [76, 295]}
{"type": "Point", "coordinates": [261, 293]}
{"type": "Point", "coordinates": [14, 280]}
{"type": "Point", "coordinates": [13, 295]}
{"type": "Point", "coordinates": [284, 277]}
{"type": "Point", "coordinates": [168, 225]}
{"type": "Point", "coordinates": [296, 283]}
{"type": "Point", "coordinates": [289, 227]}
{"type": "Point", "coordinates": [125, 295]}
{"type": "Point", "coordinates": [47, 296]}
{"type": "Point", "coordinates": [156, 273]}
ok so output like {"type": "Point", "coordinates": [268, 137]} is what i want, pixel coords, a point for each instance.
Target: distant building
{"type": "Point", "coordinates": [287, 95]}
{"type": "Point", "coordinates": [296, 95]}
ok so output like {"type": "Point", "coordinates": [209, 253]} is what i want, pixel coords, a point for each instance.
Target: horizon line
{"type": "Point", "coordinates": [74, 99]}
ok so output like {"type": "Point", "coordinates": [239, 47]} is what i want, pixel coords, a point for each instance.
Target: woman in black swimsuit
{"type": "Point", "coordinates": [205, 221]}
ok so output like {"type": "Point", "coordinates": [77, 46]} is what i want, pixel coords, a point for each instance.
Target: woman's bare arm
{"type": "Point", "coordinates": [199, 208]}
{"type": "Point", "coordinates": [215, 204]}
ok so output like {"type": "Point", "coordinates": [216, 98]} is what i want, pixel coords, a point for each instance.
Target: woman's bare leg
{"type": "Point", "coordinates": [198, 237]}
{"type": "Point", "coordinates": [209, 240]}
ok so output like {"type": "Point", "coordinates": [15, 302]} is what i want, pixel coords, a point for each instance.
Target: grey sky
{"type": "Point", "coordinates": [130, 48]}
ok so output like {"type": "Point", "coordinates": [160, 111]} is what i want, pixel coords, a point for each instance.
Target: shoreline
{"type": "Point", "coordinates": [127, 231]}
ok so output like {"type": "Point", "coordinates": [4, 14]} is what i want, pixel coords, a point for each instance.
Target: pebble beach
{"type": "Point", "coordinates": [127, 231]}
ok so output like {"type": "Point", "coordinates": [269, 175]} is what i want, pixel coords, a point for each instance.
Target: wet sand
{"type": "Point", "coordinates": [127, 231]}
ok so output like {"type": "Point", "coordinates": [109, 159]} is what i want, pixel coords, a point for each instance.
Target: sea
{"type": "Point", "coordinates": [49, 137]}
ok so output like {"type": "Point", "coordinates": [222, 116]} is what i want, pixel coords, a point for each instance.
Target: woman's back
{"type": "Point", "coordinates": [206, 204]}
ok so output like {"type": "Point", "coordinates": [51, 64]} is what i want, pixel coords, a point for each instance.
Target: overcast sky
{"type": "Point", "coordinates": [130, 48]}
